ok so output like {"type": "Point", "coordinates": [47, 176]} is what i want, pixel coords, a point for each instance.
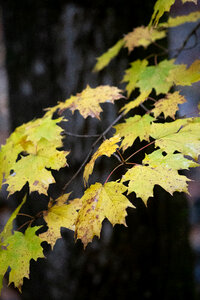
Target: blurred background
{"type": "Point", "coordinates": [47, 52]}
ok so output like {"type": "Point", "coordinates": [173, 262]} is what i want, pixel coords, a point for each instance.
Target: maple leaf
{"type": "Point", "coordinates": [8, 228]}
{"type": "Point", "coordinates": [179, 20]}
{"type": "Point", "coordinates": [32, 168]}
{"type": "Point", "coordinates": [134, 127]}
{"type": "Point", "coordinates": [139, 100]}
{"type": "Point", "coordinates": [132, 75]}
{"type": "Point", "coordinates": [160, 7]}
{"type": "Point", "coordinates": [59, 215]}
{"type": "Point", "coordinates": [155, 77]}
{"type": "Point", "coordinates": [105, 58]}
{"type": "Point", "coordinates": [181, 75]}
{"type": "Point", "coordinates": [180, 135]}
{"type": "Point", "coordinates": [142, 36]}
{"type": "Point", "coordinates": [100, 202]}
{"type": "Point", "coordinates": [142, 179]}
{"type": "Point", "coordinates": [18, 250]}
{"type": "Point", "coordinates": [108, 147]}
{"type": "Point", "coordinates": [168, 105]}
{"type": "Point", "coordinates": [87, 102]}
{"type": "Point", "coordinates": [172, 161]}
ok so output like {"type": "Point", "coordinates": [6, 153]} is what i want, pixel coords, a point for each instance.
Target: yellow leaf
{"type": "Point", "coordinates": [132, 75]}
{"type": "Point", "coordinates": [139, 100]}
{"type": "Point", "coordinates": [100, 202]}
{"type": "Point", "coordinates": [168, 105]}
{"type": "Point", "coordinates": [134, 127]}
{"type": "Point", "coordinates": [181, 75]}
{"type": "Point", "coordinates": [105, 58]}
{"type": "Point", "coordinates": [32, 168]}
{"type": "Point", "coordinates": [142, 180]}
{"type": "Point", "coordinates": [108, 147]}
{"type": "Point", "coordinates": [59, 215]}
{"type": "Point", "coordinates": [88, 101]}
{"type": "Point", "coordinates": [142, 36]}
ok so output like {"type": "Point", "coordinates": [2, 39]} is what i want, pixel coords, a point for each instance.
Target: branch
{"type": "Point", "coordinates": [80, 135]}
{"type": "Point", "coordinates": [91, 150]}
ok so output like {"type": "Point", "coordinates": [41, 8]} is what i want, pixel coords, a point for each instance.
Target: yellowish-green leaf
{"type": "Point", "coordinates": [160, 7]}
{"type": "Point", "coordinates": [171, 161]}
{"type": "Point", "coordinates": [132, 75]}
{"type": "Point", "coordinates": [168, 105]}
{"type": "Point", "coordinates": [17, 252]}
{"type": "Point", "coordinates": [108, 147]}
{"type": "Point", "coordinates": [105, 58]}
{"type": "Point", "coordinates": [8, 228]}
{"type": "Point", "coordinates": [142, 180]}
{"type": "Point", "coordinates": [100, 202]}
{"type": "Point", "coordinates": [142, 36]}
{"type": "Point", "coordinates": [180, 135]}
{"type": "Point", "coordinates": [33, 168]}
{"type": "Point", "coordinates": [88, 101]}
{"type": "Point", "coordinates": [156, 77]}
{"type": "Point", "coordinates": [181, 75]}
{"type": "Point", "coordinates": [59, 215]}
{"type": "Point", "coordinates": [139, 100]}
{"type": "Point", "coordinates": [179, 20]}
{"type": "Point", "coordinates": [134, 127]}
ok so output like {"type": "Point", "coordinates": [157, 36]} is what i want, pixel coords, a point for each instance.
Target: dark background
{"type": "Point", "coordinates": [51, 48]}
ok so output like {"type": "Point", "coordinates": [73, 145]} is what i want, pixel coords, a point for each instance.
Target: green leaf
{"type": "Point", "coordinates": [132, 75]}
{"type": "Point", "coordinates": [105, 58]}
{"type": "Point", "coordinates": [18, 250]}
{"type": "Point", "coordinates": [139, 100]}
{"type": "Point", "coordinates": [160, 7]}
{"type": "Point", "coordinates": [8, 228]}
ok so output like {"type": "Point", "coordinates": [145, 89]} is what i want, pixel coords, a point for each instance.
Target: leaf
{"type": "Point", "coordinates": [180, 135]}
{"type": "Point", "coordinates": [142, 36]}
{"type": "Point", "coordinates": [59, 215]}
{"type": "Point", "coordinates": [134, 127]}
{"type": "Point", "coordinates": [100, 202]}
{"type": "Point", "coordinates": [160, 7]}
{"type": "Point", "coordinates": [139, 100]}
{"type": "Point", "coordinates": [181, 75]}
{"type": "Point", "coordinates": [156, 77]}
{"type": "Point", "coordinates": [105, 58]}
{"type": "Point", "coordinates": [8, 228]}
{"type": "Point", "coordinates": [168, 105]}
{"type": "Point", "coordinates": [142, 180]}
{"type": "Point", "coordinates": [108, 147]}
{"type": "Point", "coordinates": [18, 250]}
{"type": "Point", "coordinates": [171, 161]}
{"type": "Point", "coordinates": [25, 139]}
{"type": "Point", "coordinates": [87, 102]}
{"type": "Point", "coordinates": [132, 75]}
{"type": "Point", "coordinates": [179, 20]}
{"type": "Point", "coordinates": [33, 168]}
{"type": "Point", "coordinates": [184, 1]}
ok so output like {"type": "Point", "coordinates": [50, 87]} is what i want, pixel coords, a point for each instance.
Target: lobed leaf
{"type": "Point", "coordinates": [139, 100]}
{"type": "Point", "coordinates": [100, 202]}
{"type": "Point", "coordinates": [88, 101]}
{"type": "Point", "coordinates": [108, 147]}
{"type": "Point", "coordinates": [134, 127]}
{"type": "Point", "coordinates": [168, 105]}
{"type": "Point", "coordinates": [18, 249]}
{"type": "Point", "coordinates": [105, 58]}
{"type": "Point", "coordinates": [142, 36]}
{"type": "Point", "coordinates": [59, 215]}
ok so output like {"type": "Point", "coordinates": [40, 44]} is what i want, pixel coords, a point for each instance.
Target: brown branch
{"type": "Point", "coordinates": [80, 135]}
{"type": "Point", "coordinates": [91, 150]}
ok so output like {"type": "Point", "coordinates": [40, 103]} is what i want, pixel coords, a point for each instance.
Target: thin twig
{"type": "Point", "coordinates": [91, 150]}
{"type": "Point", "coordinates": [80, 135]}
{"type": "Point", "coordinates": [140, 150]}
{"type": "Point", "coordinates": [25, 215]}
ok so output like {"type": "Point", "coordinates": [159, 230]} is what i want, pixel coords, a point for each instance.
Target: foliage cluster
{"type": "Point", "coordinates": [34, 149]}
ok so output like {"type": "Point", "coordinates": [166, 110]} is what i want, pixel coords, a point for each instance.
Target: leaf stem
{"type": "Point", "coordinates": [139, 150]}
